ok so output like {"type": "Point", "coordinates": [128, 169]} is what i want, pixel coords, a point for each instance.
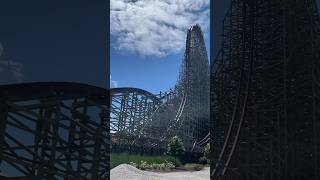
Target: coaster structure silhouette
{"type": "Point", "coordinates": [265, 108]}
{"type": "Point", "coordinates": [54, 130]}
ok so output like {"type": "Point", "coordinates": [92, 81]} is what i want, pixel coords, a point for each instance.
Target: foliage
{"type": "Point", "coordinates": [169, 165]}
{"type": "Point", "coordinates": [175, 147]}
{"type": "Point", "coordinates": [143, 165]}
{"type": "Point", "coordinates": [153, 163]}
{"type": "Point", "coordinates": [133, 164]}
{"type": "Point", "coordinates": [166, 166]}
{"type": "Point", "coordinates": [207, 152]}
{"type": "Point", "coordinates": [125, 158]}
{"type": "Point", "coordinates": [203, 160]}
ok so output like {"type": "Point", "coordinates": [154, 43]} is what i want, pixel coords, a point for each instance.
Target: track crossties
{"type": "Point", "coordinates": [265, 106]}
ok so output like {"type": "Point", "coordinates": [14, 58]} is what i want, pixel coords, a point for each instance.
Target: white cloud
{"type": "Point", "coordinates": [10, 71]}
{"type": "Point", "coordinates": [113, 84]}
{"type": "Point", "coordinates": [155, 27]}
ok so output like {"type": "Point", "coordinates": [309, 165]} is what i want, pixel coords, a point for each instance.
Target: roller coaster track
{"type": "Point", "coordinates": [149, 120]}
{"type": "Point", "coordinates": [203, 141]}
{"type": "Point", "coordinates": [266, 71]}
{"type": "Point", "coordinates": [177, 120]}
{"type": "Point", "coordinates": [164, 104]}
{"type": "Point", "coordinates": [232, 138]}
{"type": "Point", "coordinates": [173, 124]}
{"type": "Point", "coordinates": [148, 124]}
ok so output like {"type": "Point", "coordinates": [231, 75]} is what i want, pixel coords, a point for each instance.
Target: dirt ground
{"type": "Point", "coordinates": [126, 172]}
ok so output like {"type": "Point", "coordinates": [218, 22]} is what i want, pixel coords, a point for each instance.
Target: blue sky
{"type": "Point", "coordinates": [53, 41]}
{"type": "Point", "coordinates": [148, 40]}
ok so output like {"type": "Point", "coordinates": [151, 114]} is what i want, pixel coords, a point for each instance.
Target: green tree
{"type": "Point", "coordinates": [205, 159]}
{"type": "Point", "coordinates": [207, 152]}
{"type": "Point", "coordinates": [175, 147]}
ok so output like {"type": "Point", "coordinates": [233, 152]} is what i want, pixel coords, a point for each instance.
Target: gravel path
{"type": "Point", "coordinates": [126, 172]}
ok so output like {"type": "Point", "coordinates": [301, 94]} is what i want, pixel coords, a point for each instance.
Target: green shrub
{"type": "Point", "coordinates": [162, 166]}
{"type": "Point", "coordinates": [207, 152]}
{"type": "Point", "coordinates": [166, 166]}
{"type": "Point", "coordinates": [143, 165]}
{"type": "Point", "coordinates": [157, 163]}
{"type": "Point", "coordinates": [175, 147]}
{"type": "Point", "coordinates": [153, 166]}
{"type": "Point", "coordinates": [133, 164]}
{"type": "Point", "coordinates": [203, 160]}
{"type": "Point", "coordinates": [169, 165]}
{"type": "Point", "coordinates": [135, 160]}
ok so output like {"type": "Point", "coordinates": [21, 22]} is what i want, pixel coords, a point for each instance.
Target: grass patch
{"type": "Point", "coordinates": [125, 158]}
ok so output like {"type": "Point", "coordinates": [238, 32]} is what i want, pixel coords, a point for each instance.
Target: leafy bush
{"type": "Point", "coordinates": [203, 160]}
{"type": "Point", "coordinates": [133, 164]}
{"type": "Point", "coordinates": [135, 160]}
{"type": "Point", "coordinates": [153, 166]}
{"type": "Point", "coordinates": [206, 155]}
{"type": "Point", "coordinates": [175, 147]}
{"type": "Point", "coordinates": [169, 165]}
{"type": "Point", "coordinates": [166, 166]}
{"type": "Point", "coordinates": [162, 166]}
{"type": "Point", "coordinates": [207, 152]}
{"type": "Point", "coordinates": [143, 165]}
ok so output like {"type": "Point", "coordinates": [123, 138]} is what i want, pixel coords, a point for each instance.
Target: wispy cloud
{"type": "Point", "coordinates": [113, 84]}
{"type": "Point", "coordinates": [10, 71]}
{"type": "Point", "coordinates": [155, 27]}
